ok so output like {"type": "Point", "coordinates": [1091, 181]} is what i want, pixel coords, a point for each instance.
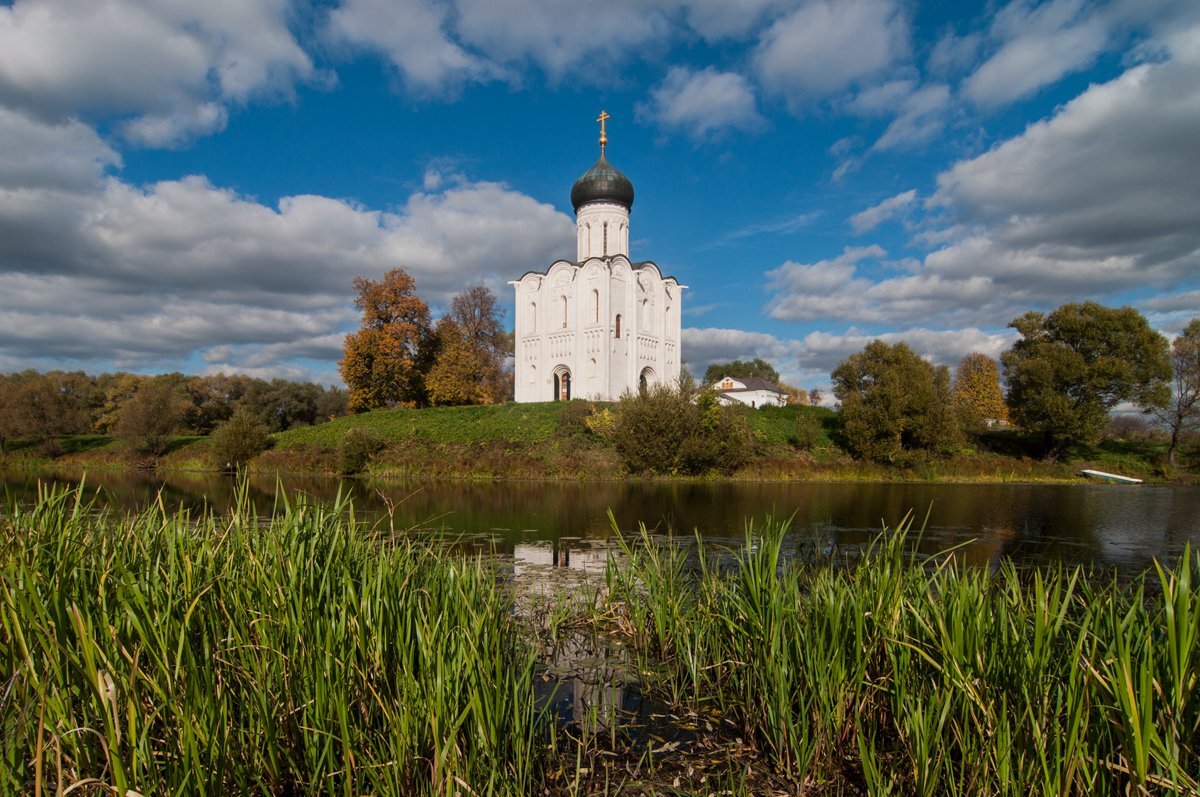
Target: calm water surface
{"type": "Point", "coordinates": [552, 523]}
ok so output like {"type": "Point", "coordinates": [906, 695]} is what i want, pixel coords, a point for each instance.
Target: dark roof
{"type": "Point", "coordinates": [602, 183]}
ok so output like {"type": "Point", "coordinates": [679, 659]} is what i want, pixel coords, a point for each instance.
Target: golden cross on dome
{"type": "Point", "coordinates": [602, 119]}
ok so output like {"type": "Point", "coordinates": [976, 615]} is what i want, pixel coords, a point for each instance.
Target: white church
{"type": "Point", "coordinates": [599, 325]}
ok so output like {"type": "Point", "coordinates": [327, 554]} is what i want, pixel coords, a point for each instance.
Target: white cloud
{"type": "Point", "coordinates": [414, 36]}
{"type": "Point", "coordinates": [64, 155]}
{"type": "Point", "coordinates": [587, 40]}
{"type": "Point", "coordinates": [824, 47]}
{"type": "Point", "coordinates": [1038, 45]}
{"type": "Point", "coordinates": [703, 103]}
{"type": "Point", "coordinates": [953, 54]}
{"type": "Point", "coordinates": [154, 60]}
{"type": "Point", "coordinates": [719, 19]}
{"type": "Point", "coordinates": [872, 217]}
{"type": "Point", "coordinates": [921, 118]}
{"type": "Point", "coordinates": [160, 273]}
{"type": "Point", "coordinates": [1101, 197]}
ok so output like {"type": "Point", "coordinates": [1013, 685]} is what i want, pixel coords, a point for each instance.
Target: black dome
{"type": "Point", "coordinates": [602, 183]}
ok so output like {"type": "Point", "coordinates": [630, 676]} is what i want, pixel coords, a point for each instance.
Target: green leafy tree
{"type": "Point", "coordinates": [677, 430]}
{"type": "Point", "coordinates": [896, 407]}
{"type": "Point", "coordinates": [238, 440]}
{"type": "Point", "coordinates": [757, 367]}
{"type": "Point", "coordinates": [384, 363]}
{"type": "Point", "coordinates": [1182, 413]}
{"type": "Point", "coordinates": [471, 349]}
{"type": "Point", "coordinates": [1071, 366]}
{"type": "Point", "coordinates": [977, 395]}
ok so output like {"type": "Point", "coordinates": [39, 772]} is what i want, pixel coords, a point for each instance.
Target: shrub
{"type": "Point", "coordinates": [238, 440]}
{"type": "Point", "coordinates": [680, 431]}
{"type": "Point", "coordinates": [573, 421]}
{"type": "Point", "coordinates": [807, 431]}
{"type": "Point", "coordinates": [356, 448]}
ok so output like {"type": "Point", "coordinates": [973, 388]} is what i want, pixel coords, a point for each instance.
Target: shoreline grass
{"type": "Point", "coordinates": [900, 677]}
{"type": "Point", "coordinates": [162, 653]}
{"type": "Point", "coordinates": [295, 652]}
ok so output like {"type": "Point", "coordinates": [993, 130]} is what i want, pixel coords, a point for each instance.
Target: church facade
{"type": "Point", "coordinates": [600, 325]}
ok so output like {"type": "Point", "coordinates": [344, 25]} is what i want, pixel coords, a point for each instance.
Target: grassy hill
{"type": "Point", "coordinates": [518, 423]}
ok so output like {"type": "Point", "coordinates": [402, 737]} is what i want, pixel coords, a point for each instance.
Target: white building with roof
{"type": "Point", "coordinates": [601, 324]}
{"type": "Point", "coordinates": [752, 390]}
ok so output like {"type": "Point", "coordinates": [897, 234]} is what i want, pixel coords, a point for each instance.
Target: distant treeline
{"type": "Point", "coordinates": [44, 405]}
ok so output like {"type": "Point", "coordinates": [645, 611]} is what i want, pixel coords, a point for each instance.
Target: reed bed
{"type": "Point", "coordinates": [165, 653]}
{"type": "Point", "coordinates": [893, 675]}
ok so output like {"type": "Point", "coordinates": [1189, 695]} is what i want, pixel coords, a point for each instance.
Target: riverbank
{"type": "Point", "coordinates": [554, 441]}
{"type": "Point", "coordinates": [301, 653]}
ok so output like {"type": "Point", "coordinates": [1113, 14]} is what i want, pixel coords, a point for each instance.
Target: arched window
{"type": "Point", "coordinates": [564, 311]}
{"type": "Point", "coordinates": [595, 306]}
{"type": "Point", "coordinates": [617, 329]}
{"type": "Point", "coordinates": [533, 316]}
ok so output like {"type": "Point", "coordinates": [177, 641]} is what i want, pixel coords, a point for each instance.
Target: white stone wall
{"type": "Point", "coordinates": [754, 398]}
{"type": "Point", "coordinates": [567, 323]}
{"type": "Point", "coordinates": [602, 229]}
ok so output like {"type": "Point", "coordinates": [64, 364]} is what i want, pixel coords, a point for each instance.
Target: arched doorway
{"type": "Point", "coordinates": [562, 383]}
{"type": "Point", "coordinates": [646, 379]}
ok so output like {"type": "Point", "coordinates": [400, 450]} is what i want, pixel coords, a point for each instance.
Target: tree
{"type": "Point", "coordinates": [238, 440]}
{"type": "Point", "coordinates": [471, 349]}
{"type": "Point", "coordinates": [151, 415]}
{"type": "Point", "coordinates": [977, 395]}
{"type": "Point", "coordinates": [896, 407]}
{"type": "Point", "coordinates": [795, 395]}
{"type": "Point", "coordinates": [1182, 413]}
{"type": "Point", "coordinates": [384, 363]}
{"type": "Point", "coordinates": [43, 406]}
{"type": "Point", "coordinates": [1069, 368]}
{"type": "Point", "coordinates": [738, 368]}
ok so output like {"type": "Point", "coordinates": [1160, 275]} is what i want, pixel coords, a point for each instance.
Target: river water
{"type": "Point", "coordinates": [568, 524]}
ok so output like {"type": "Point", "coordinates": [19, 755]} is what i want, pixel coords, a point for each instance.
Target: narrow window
{"type": "Point", "coordinates": [617, 334]}
{"type": "Point", "coordinates": [564, 309]}
{"type": "Point", "coordinates": [533, 316]}
{"type": "Point", "coordinates": [595, 307]}
{"type": "Point", "coordinates": [606, 239]}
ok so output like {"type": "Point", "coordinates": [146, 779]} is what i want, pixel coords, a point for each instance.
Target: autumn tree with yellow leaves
{"type": "Point", "coordinates": [384, 363]}
{"type": "Point", "coordinates": [977, 396]}
{"type": "Point", "coordinates": [471, 349]}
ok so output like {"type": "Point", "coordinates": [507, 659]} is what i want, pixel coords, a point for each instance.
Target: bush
{"type": "Point", "coordinates": [807, 431]}
{"type": "Point", "coordinates": [238, 440]}
{"type": "Point", "coordinates": [573, 422]}
{"type": "Point", "coordinates": [681, 431]}
{"type": "Point", "coordinates": [356, 448]}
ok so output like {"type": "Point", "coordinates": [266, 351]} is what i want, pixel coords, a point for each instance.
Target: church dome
{"type": "Point", "coordinates": [602, 183]}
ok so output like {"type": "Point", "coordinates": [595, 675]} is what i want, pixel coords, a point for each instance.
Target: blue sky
{"type": "Point", "coordinates": [193, 186]}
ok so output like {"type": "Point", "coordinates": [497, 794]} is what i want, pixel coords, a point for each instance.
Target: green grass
{"type": "Point", "coordinates": [922, 678]}
{"type": "Point", "coordinates": [777, 425]}
{"type": "Point", "coordinates": [163, 653]}
{"type": "Point", "coordinates": [290, 651]}
{"type": "Point", "coordinates": [505, 422]}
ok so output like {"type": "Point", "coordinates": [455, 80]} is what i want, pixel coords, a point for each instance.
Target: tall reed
{"type": "Point", "coordinates": [910, 676]}
{"type": "Point", "coordinates": [165, 653]}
